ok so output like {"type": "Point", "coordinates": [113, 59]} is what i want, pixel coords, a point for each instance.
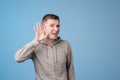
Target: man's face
{"type": "Point", "coordinates": [52, 28]}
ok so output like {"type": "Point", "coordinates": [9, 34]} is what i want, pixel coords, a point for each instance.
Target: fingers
{"type": "Point", "coordinates": [37, 27]}
{"type": "Point", "coordinates": [40, 31]}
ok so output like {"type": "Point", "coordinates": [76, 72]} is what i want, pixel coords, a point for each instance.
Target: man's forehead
{"type": "Point", "coordinates": [52, 21]}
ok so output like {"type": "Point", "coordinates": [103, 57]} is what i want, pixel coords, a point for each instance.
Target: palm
{"type": "Point", "coordinates": [40, 33]}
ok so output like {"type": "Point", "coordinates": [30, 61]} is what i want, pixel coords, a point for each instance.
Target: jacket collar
{"type": "Point", "coordinates": [55, 42]}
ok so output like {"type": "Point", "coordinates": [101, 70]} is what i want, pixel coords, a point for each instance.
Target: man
{"type": "Point", "coordinates": [52, 56]}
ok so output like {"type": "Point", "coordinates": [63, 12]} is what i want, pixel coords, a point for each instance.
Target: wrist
{"type": "Point", "coordinates": [34, 42]}
{"type": "Point", "coordinates": [37, 40]}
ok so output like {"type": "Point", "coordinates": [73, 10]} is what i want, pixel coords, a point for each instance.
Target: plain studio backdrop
{"type": "Point", "coordinates": [91, 26]}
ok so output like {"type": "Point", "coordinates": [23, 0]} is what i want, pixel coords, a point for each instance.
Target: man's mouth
{"type": "Point", "coordinates": [54, 33]}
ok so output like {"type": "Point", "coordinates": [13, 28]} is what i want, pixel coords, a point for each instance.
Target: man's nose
{"type": "Point", "coordinates": [56, 28]}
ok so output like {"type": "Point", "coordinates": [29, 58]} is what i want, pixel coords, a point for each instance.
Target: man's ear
{"type": "Point", "coordinates": [43, 25]}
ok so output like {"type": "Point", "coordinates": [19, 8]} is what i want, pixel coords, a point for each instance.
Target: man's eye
{"type": "Point", "coordinates": [51, 25]}
{"type": "Point", "coordinates": [58, 25]}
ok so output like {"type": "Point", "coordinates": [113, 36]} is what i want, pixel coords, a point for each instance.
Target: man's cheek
{"type": "Point", "coordinates": [46, 31]}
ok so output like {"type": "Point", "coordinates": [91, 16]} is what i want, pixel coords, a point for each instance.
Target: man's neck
{"type": "Point", "coordinates": [49, 41]}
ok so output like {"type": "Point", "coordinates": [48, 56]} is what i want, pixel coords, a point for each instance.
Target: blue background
{"type": "Point", "coordinates": [91, 26]}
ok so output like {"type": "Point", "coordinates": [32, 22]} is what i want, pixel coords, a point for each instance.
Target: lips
{"type": "Point", "coordinates": [54, 33]}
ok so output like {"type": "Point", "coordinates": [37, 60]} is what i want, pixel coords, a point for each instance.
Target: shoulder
{"type": "Point", "coordinates": [65, 42]}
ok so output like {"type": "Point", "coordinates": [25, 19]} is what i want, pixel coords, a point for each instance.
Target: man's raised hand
{"type": "Point", "coordinates": [39, 31]}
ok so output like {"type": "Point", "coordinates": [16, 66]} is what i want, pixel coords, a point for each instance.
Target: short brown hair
{"type": "Point", "coordinates": [50, 16]}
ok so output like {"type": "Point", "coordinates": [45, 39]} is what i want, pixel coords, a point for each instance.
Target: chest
{"type": "Point", "coordinates": [52, 54]}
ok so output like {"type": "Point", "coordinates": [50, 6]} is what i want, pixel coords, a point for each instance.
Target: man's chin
{"type": "Point", "coordinates": [54, 37]}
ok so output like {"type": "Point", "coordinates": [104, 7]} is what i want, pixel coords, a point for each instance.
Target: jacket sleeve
{"type": "Point", "coordinates": [70, 67]}
{"type": "Point", "coordinates": [26, 52]}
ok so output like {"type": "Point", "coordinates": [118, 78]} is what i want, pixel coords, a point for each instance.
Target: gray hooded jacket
{"type": "Point", "coordinates": [51, 62]}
